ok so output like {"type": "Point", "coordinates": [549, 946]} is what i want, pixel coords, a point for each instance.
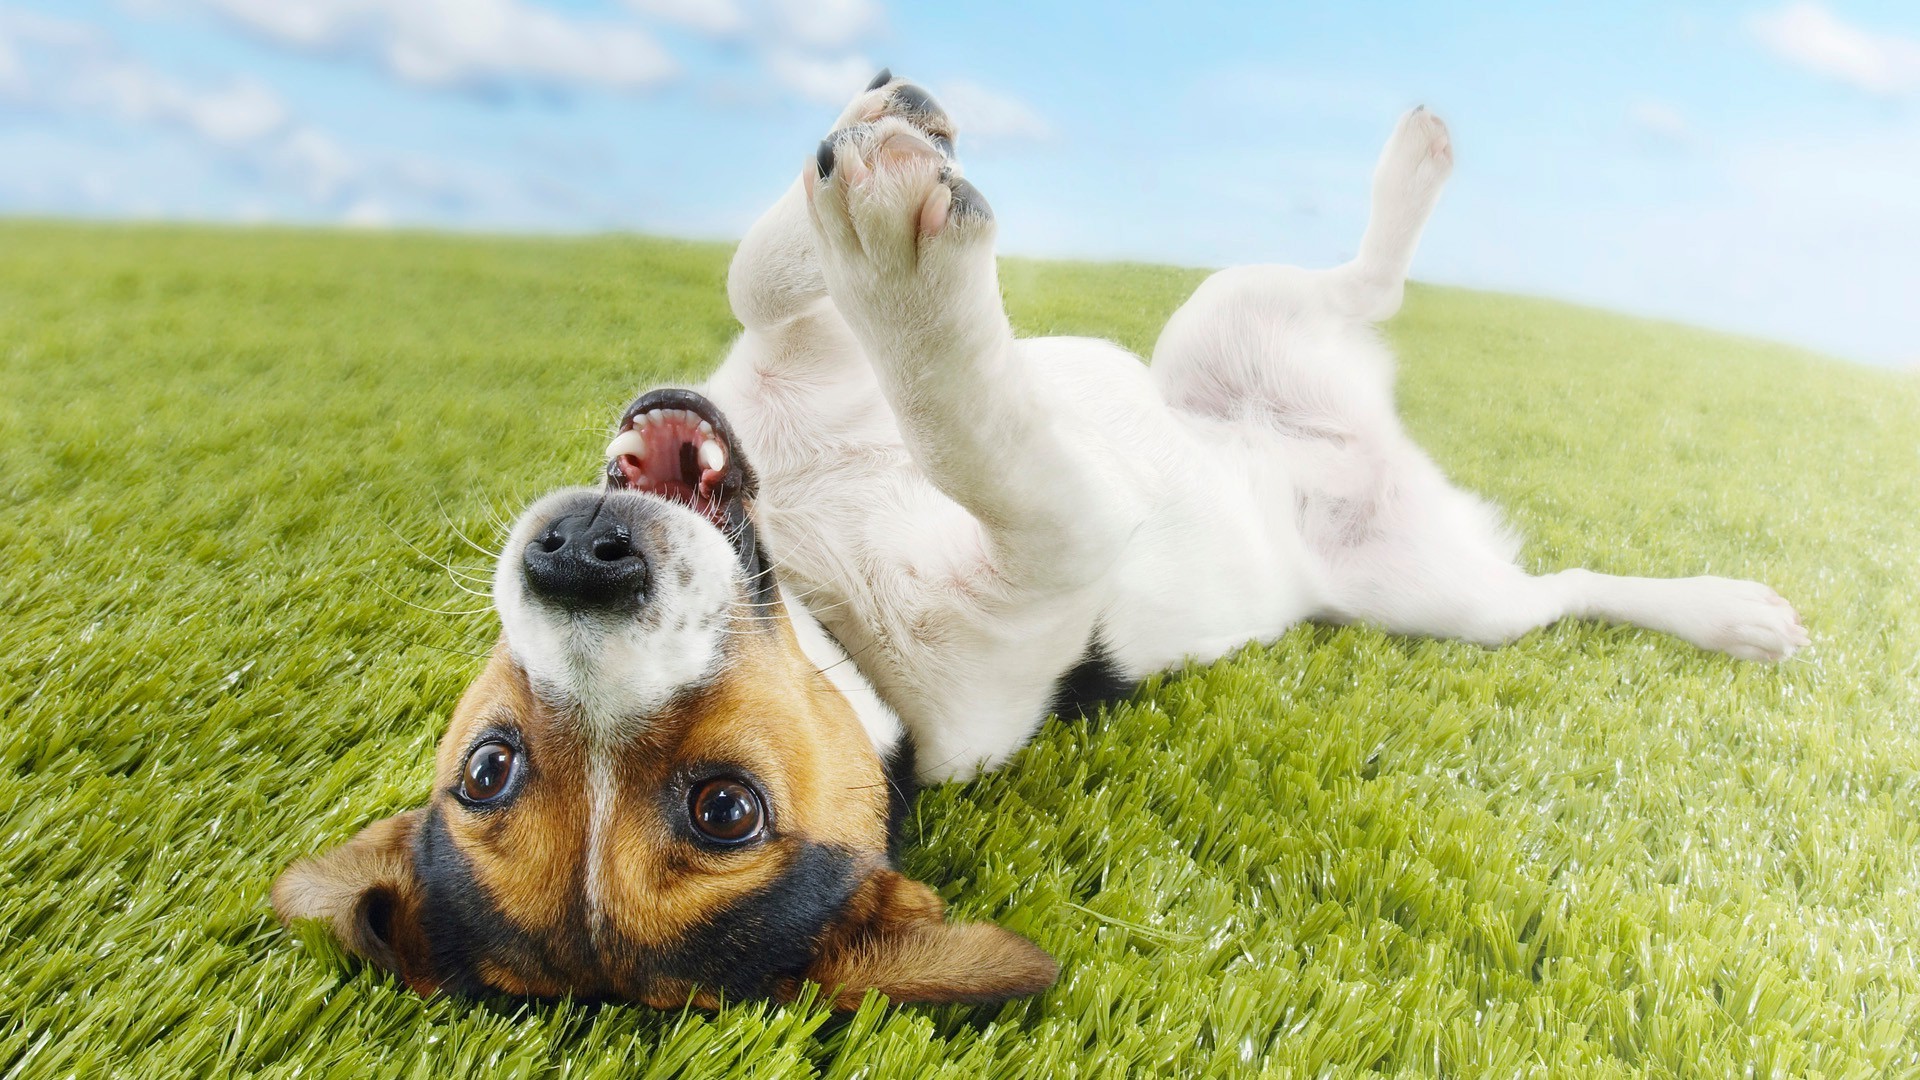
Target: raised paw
{"type": "Point", "coordinates": [906, 248]}
{"type": "Point", "coordinates": [884, 194]}
{"type": "Point", "coordinates": [889, 96]}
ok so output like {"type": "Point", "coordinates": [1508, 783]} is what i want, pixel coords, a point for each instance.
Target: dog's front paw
{"type": "Point", "coordinates": [893, 214]}
{"type": "Point", "coordinates": [888, 96]}
{"type": "Point", "coordinates": [1743, 619]}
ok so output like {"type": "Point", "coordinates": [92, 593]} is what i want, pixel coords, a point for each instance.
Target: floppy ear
{"type": "Point", "coordinates": [897, 941]}
{"type": "Point", "coordinates": [367, 893]}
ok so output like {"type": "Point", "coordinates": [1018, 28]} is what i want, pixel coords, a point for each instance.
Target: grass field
{"type": "Point", "coordinates": [232, 462]}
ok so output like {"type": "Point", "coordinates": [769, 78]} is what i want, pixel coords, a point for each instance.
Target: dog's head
{"type": "Point", "coordinates": [650, 793]}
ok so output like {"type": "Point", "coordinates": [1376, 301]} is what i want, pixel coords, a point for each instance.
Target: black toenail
{"type": "Point", "coordinates": [944, 145]}
{"type": "Point", "coordinates": [882, 79]}
{"type": "Point", "coordinates": [968, 202]}
{"type": "Point", "coordinates": [824, 159]}
{"type": "Point", "coordinates": [912, 99]}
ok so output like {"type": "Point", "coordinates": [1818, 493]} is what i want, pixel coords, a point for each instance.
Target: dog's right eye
{"type": "Point", "coordinates": [488, 770]}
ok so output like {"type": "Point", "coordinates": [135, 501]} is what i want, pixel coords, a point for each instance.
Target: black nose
{"type": "Point", "coordinates": [586, 558]}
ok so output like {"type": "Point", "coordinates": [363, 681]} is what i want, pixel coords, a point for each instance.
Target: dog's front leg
{"type": "Point", "coordinates": [906, 249]}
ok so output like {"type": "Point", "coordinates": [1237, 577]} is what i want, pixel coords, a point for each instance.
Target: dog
{"type": "Point", "coordinates": [876, 549]}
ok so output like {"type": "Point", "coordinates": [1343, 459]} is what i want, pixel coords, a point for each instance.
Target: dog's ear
{"type": "Point", "coordinates": [896, 940]}
{"type": "Point", "coordinates": [368, 895]}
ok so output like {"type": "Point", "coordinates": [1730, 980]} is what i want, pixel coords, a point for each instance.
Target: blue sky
{"type": "Point", "coordinates": [1753, 165]}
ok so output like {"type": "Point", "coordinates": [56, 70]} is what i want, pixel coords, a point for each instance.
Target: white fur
{"type": "Point", "coordinates": [613, 673]}
{"type": "Point", "coordinates": [876, 718]}
{"type": "Point", "coordinates": [965, 510]}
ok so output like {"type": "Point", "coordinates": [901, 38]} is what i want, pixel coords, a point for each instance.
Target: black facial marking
{"type": "Point", "coordinates": [903, 784]}
{"type": "Point", "coordinates": [766, 589]}
{"type": "Point", "coordinates": [1094, 681]}
{"type": "Point", "coordinates": [882, 79]}
{"type": "Point", "coordinates": [741, 950]}
{"type": "Point", "coordinates": [462, 926]}
{"type": "Point", "coordinates": [753, 942]}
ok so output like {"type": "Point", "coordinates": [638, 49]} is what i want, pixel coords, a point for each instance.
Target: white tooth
{"type": "Point", "coordinates": [627, 442]}
{"type": "Point", "coordinates": [713, 455]}
{"type": "Point", "coordinates": [706, 428]}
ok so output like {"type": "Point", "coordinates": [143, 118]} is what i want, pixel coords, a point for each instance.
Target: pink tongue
{"type": "Point", "coordinates": [631, 468]}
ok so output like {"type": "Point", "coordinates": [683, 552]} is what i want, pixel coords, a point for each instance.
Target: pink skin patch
{"type": "Point", "coordinates": [933, 212]}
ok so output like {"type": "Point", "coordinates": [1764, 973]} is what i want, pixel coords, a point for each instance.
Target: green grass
{"type": "Point", "coordinates": [230, 462]}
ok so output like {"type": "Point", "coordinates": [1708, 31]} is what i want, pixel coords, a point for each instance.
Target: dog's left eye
{"type": "Point", "coordinates": [725, 811]}
{"type": "Point", "coordinates": [488, 769]}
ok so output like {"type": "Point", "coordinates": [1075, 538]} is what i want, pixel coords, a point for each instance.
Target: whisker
{"type": "Point", "coordinates": [455, 575]}
{"type": "Point", "coordinates": [423, 607]}
{"type": "Point", "coordinates": [461, 533]}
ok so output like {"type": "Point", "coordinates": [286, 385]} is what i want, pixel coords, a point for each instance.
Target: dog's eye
{"type": "Point", "coordinates": [488, 769]}
{"type": "Point", "coordinates": [725, 811]}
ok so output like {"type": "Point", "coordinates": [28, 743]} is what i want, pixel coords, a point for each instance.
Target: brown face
{"type": "Point", "coordinates": [651, 793]}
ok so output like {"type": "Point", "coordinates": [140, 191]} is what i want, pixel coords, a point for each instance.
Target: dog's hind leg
{"type": "Point", "coordinates": [1490, 604]}
{"type": "Point", "coordinates": [1412, 169]}
{"type": "Point", "coordinates": [1295, 345]}
{"type": "Point", "coordinates": [1425, 558]}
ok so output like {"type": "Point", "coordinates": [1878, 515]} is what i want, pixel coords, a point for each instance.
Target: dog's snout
{"type": "Point", "coordinates": [586, 558]}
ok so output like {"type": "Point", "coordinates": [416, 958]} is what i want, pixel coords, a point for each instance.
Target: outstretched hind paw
{"type": "Point", "coordinates": [1419, 155]}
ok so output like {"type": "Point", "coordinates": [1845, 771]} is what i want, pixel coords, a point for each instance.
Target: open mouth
{"type": "Point", "coordinates": [674, 444]}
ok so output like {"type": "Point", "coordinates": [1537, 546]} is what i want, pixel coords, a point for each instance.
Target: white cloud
{"type": "Point", "coordinates": [824, 24]}
{"type": "Point", "coordinates": [718, 18]}
{"type": "Point", "coordinates": [48, 30]}
{"type": "Point", "coordinates": [12, 74]}
{"type": "Point", "coordinates": [79, 70]}
{"type": "Point", "coordinates": [368, 213]}
{"type": "Point", "coordinates": [1661, 120]}
{"type": "Point", "coordinates": [978, 112]}
{"type": "Point", "coordinates": [317, 163]}
{"type": "Point", "coordinates": [240, 112]}
{"type": "Point", "coordinates": [465, 42]}
{"type": "Point", "coordinates": [239, 125]}
{"type": "Point", "coordinates": [1809, 36]}
{"type": "Point", "coordinates": [823, 81]}
{"type": "Point", "coordinates": [981, 113]}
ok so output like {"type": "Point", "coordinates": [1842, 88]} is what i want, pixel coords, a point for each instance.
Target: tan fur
{"type": "Point", "coordinates": [896, 940]}
{"type": "Point", "coordinates": [337, 888]}
{"type": "Point", "coordinates": [769, 713]}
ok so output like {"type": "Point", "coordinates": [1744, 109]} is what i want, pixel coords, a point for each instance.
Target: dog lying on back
{"type": "Point", "coordinates": [878, 547]}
